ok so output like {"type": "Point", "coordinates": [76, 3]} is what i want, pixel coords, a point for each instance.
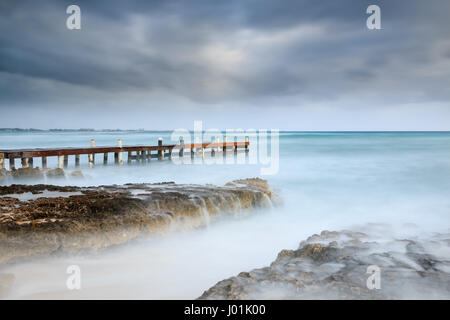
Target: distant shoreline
{"type": "Point", "coordinates": [169, 130]}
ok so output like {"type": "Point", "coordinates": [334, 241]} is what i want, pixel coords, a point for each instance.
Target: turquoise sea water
{"type": "Point", "coordinates": [326, 180]}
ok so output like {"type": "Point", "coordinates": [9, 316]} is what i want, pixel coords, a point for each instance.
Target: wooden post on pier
{"type": "Point", "coordinates": [2, 161]}
{"type": "Point", "coordinates": [246, 143]}
{"type": "Point", "coordinates": [224, 147]}
{"type": "Point", "coordinates": [44, 162]}
{"type": "Point", "coordinates": [160, 152]}
{"type": "Point", "coordinates": [77, 160]}
{"type": "Point", "coordinates": [105, 158]}
{"type": "Point", "coordinates": [92, 155]}
{"type": "Point", "coordinates": [118, 155]}
{"type": "Point", "coordinates": [12, 165]}
{"type": "Point", "coordinates": [30, 162]}
{"type": "Point", "coordinates": [181, 153]}
{"type": "Point", "coordinates": [60, 162]}
{"type": "Point", "coordinates": [66, 161]}
{"type": "Point", "coordinates": [129, 157]}
{"type": "Point", "coordinates": [25, 163]}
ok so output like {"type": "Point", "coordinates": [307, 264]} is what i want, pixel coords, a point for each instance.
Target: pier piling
{"type": "Point", "coordinates": [44, 162]}
{"type": "Point", "coordinates": [2, 161]}
{"type": "Point", "coordinates": [119, 154]}
{"type": "Point", "coordinates": [66, 161]}
{"type": "Point", "coordinates": [181, 152]}
{"type": "Point", "coordinates": [160, 152]}
{"type": "Point", "coordinates": [92, 155]}
{"type": "Point", "coordinates": [224, 148]}
{"type": "Point", "coordinates": [60, 162]}
{"type": "Point", "coordinates": [25, 163]}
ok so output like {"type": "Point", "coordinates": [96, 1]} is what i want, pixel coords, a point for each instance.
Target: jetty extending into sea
{"type": "Point", "coordinates": [135, 152]}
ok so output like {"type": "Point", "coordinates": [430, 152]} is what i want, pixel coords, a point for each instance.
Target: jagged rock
{"type": "Point", "coordinates": [77, 173]}
{"type": "Point", "coordinates": [97, 217]}
{"type": "Point", "coordinates": [334, 265]}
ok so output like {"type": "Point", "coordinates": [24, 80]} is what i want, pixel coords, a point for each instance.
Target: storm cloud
{"type": "Point", "coordinates": [275, 58]}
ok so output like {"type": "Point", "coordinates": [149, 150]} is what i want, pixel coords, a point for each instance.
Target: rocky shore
{"type": "Point", "coordinates": [334, 265]}
{"type": "Point", "coordinates": [38, 220]}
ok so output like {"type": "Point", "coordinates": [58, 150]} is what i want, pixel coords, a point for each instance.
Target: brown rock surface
{"type": "Point", "coordinates": [33, 223]}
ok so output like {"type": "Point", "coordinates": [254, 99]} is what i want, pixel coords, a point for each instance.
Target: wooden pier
{"type": "Point", "coordinates": [136, 152]}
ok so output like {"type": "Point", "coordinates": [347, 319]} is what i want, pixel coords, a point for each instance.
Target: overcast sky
{"type": "Point", "coordinates": [290, 65]}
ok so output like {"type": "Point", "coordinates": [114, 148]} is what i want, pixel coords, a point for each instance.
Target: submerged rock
{"type": "Point", "coordinates": [58, 172]}
{"type": "Point", "coordinates": [335, 265]}
{"type": "Point", "coordinates": [3, 174]}
{"type": "Point", "coordinates": [76, 218]}
{"type": "Point", "coordinates": [33, 173]}
{"type": "Point", "coordinates": [77, 173]}
{"type": "Point", "coordinates": [27, 172]}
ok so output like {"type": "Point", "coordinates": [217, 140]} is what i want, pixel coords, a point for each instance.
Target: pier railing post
{"type": "Point", "coordinates": [92, 155]}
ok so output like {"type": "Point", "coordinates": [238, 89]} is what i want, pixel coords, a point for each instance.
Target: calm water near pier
{"type": "Point", "coordinates": [326, 180]}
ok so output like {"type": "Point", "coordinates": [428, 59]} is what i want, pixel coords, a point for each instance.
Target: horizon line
{"type": "Point", "coordinates": [168, 130]}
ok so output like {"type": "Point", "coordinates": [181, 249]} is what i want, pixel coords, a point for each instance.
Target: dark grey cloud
{"type": "Point", "coordinates": [209, 53]}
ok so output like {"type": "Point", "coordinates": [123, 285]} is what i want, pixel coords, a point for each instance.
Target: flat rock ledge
{"type": "Point", "coordinates": [334, 265]}
{"type": "Point", "coordinates": [39, 220]}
